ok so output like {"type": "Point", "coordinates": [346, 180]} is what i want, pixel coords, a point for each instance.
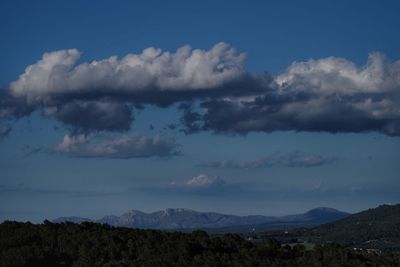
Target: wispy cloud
{"type": "Point", "coordinates": [120, 146]}
{"type": "Point", "coordinates": [29, 150]}
{"type": "Point", "coordinates": [296, 159]}
{"type": "Point", "coordinates": [25, 189]}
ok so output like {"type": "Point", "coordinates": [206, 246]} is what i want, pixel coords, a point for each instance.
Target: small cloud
{"type": "Point", "coordinates": [71, 143]}
{"type": "Point", "coordinates": [119, 147]}
{"type": "Point", "coordinates": [296, 159]}
{"type": "Point", "coordinates": [202, 185]}
{"type": "Point", "coordinates": [4, 131]}
{"type": "Point", "coordinates": [171, 126]}
{"type": "Point", "coordinates": [29, 150]}
{"type": "Point", "coordinates": [202, 181]}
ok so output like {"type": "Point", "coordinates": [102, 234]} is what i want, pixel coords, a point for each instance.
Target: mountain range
{"type": "Point", "coordinates": [180, 218]}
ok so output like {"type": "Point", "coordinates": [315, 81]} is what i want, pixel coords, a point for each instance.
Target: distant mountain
{"type": "Point", "coordinates": [378, 227]}
{"type": "Point", "coordinates": [316, 216]}
{"type": "Point", "coordinates": [309, 219]}
{"type": "Point", "coordinates": [180, 218]}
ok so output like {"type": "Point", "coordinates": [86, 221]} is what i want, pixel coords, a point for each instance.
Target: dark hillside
{"type": "Point", "coordinates": [373, 227]}
{"type": "Point", "coordinates": [92, 244]}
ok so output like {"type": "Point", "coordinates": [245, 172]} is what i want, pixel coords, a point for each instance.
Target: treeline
{"type": "Point", "coordinates": [91, 244]}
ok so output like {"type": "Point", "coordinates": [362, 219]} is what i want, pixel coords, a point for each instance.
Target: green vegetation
{"type": "Point", "coordinates": [91, 244]}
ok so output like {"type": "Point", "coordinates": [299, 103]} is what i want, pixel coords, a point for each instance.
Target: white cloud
{"type": "Point", "coordinates": [338, 75]}
{"type": "Point", "coordinates": [71, 143]}
{"type": "Point", "coordinates": [153, 69]}
{"type": "Point", "coordinates": [202, 181]}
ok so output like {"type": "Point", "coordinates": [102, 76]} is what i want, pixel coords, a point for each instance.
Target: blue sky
{"type": "Point", "coordinates": [71, 146]}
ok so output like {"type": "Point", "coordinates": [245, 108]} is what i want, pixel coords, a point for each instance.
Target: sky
{"type": "Point", "coordinates": [267, 107]}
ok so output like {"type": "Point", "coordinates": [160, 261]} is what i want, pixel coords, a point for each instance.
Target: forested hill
{"type": "Point", "coordinates": [374, 227]}
{"type": "Point", "coordinates": [91, 244]}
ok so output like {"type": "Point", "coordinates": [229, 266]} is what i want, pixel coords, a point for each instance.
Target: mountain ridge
{"type": "Point", "coordinates": [183, 218]}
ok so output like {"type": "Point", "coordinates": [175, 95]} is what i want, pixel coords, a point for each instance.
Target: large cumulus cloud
{"type": "Point", "coordinates": [215, 91]}
{"type": "Point", "coordinates": [102, 94]}
{"type": "Point", "coordinates": [326, 95]}
{"type": "Point", "coordinates": [186, 69]}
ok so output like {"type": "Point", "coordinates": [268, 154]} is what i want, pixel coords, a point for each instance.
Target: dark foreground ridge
{"type": "Point", "coordinates": [375, 228]}
{"type": "Point", "coordinates": [93, 244]}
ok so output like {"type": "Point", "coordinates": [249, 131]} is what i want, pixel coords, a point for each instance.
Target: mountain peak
{"type": "Point", "coordinates": [182, 210]}
{"type": "Point", "coordinates": [133, 212]}
{"type": "Point", "coordinates": [170, 211]}
{"type": "Point", "coordinates": [324, 210]}
{"type": "Point", "coordinates": [324, 214]}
